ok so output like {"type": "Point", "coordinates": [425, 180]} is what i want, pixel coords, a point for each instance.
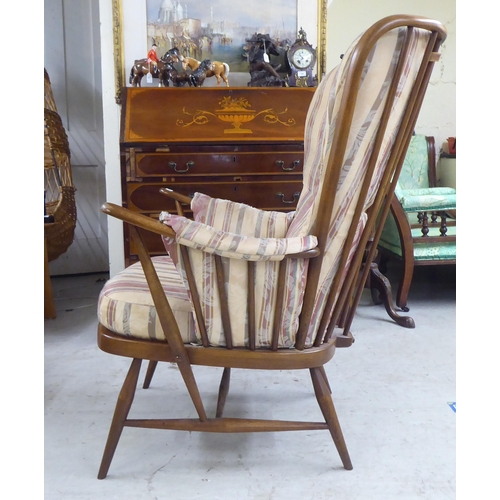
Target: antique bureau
{"type": "Point", "coordinates": [241, 144]}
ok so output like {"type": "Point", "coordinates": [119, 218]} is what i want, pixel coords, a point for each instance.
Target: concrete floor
{"type": "Point", "coordinates": [393, 391]}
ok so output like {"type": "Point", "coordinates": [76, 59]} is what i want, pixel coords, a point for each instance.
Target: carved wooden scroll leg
{"type": "Point", "coordinates": [380, 283]}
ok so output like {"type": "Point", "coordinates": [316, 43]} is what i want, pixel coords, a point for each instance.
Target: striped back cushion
{"type": "Point", "coordinates": [242, 220]}
{"type": "Point", "coordinates": [320, 128]}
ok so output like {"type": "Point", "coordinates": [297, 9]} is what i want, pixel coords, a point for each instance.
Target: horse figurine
{"type": "Point", "coordinates": [179, 79]}
{"type": "Point", "coordinates": [219, 70]}
{"type": "Point", "coordinates": [141, 68]}
{"type": "Point", "coordinates": [198, 76]}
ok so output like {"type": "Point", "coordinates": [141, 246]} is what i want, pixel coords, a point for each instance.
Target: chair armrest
{"type": "Point", "coordinates": [180, 199]}
{"type": "Point", "coordinates": [428, 200]}
{"type": "Point", "coordinates": [186, 200]}
{"type": "Point", "coordinates": [206, 238]}
{"type": "Point", "coordinates": [138, 220]}
{"type": "Point", "coordinates": [440, 191]}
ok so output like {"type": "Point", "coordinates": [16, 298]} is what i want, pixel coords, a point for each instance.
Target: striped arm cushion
{"type": "Point", "coordinates": [206, 238]}
{"type": "Point", "coordinates": [261, 230]}
{"type": "Point", "coordinates": [126, 307]}
{"type": "Point", "coordinates": [320, 127]}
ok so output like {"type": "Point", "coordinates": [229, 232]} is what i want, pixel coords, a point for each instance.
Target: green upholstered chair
{"type": "Point", "coordinates": [421, 227]}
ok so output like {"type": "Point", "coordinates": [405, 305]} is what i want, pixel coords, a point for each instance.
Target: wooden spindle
{"type": "Point", "coordinates": [195, 298]}
{"type": "Point", "coordinates": [425, 224]}
{"type": "Point", "coordinates": [444, 228]}
{"type": "Point", "coordinates": [251, 304]}
{"type": "Point", "coordinates": [221, 287]}
{"type": "Point", "coordinates": [278, 311]}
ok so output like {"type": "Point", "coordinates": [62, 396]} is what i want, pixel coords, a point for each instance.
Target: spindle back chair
{"type": "Point", "coordinates": [245, 288]}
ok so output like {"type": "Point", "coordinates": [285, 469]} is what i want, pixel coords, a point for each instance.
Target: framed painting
{"type": "Point", "coordinates": [220, 30]}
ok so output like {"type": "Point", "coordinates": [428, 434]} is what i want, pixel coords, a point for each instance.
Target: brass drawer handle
{"type": "Point", "coordinates": [173, 165]}
{"type": "Point", "coordinates": [281, 164]}
{"type": "Point", "coordinates": [295, 197]}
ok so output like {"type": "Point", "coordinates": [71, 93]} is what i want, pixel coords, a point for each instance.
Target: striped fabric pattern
{"type": "Point", "coordinates": [199, 236]}
{"type": "Point", "coordinates": [240, 233]}
{"type": "Point", "coordinates": [320, 127]}
{"type": "Point", "coordinates": [240, 218]}
{"type": "Point", "coordinates": [126, 306]}
{"type": "Point", "coordinates": [371, 97]}
{"type": "Point", "coordinates": [228, 217]}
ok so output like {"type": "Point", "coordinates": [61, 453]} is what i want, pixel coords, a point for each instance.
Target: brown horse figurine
{"type": "Point", "coordinates": [141, 68]}
{"type": "Point", "coordinates": [180, 79]}
{"type": "Point", "coordinates": [198, 76]}
{"type": "Point", "coordinates": [219, 70]}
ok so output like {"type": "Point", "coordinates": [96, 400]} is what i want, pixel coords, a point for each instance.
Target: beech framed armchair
{"type": "Point", "coordinates": [246, 288]}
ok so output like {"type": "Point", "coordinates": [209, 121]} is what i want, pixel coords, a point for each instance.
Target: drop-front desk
{"type": "Point", "coordinates": [241, 144]}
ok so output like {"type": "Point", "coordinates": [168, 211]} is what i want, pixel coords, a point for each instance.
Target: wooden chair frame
{"type": "Point", "coordinates": [436, 219]}
{"type": "Point", "coordinates": [344, 294]}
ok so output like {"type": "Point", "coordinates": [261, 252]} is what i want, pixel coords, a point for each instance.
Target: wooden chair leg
{"type": "Point", "coordinates": [149, 374]}
{"type": "Point", "coordinates": [380, 283]}
{"type": "Point", "coordinates": [223, 391]}
{"type": "Point", "coordinates": [325, 378]}
{"type": "Point", "coordinates": [326, 404]}
{"type": "Point", "coordinates": [48, 304]}
{"type": "Point", "coordinates": [121, 411]}
{"type": "Point", "coordinates": [405, 281]}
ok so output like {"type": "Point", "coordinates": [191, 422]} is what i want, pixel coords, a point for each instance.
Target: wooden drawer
{"type": "Point", "coordinates": [212, 164]}
{"type": "Point", "coordinates": [269, 195]}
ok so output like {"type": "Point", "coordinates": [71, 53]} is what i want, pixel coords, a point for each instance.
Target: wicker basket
{"type": "Point", "coordinates": [49, 102]}
{"type": "Point", "coordinates": [59, 189]}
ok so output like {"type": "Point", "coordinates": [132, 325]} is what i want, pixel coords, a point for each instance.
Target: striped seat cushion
{"type": "Point", "coordinates": [126, 307]}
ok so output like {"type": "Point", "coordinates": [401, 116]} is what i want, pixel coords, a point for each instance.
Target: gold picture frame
{"type": "Point", "coordinates": [118, 40]}
{"type": "Point", "coordinates": [118, 49]}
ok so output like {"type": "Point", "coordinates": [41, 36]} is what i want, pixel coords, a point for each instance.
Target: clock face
{"type": "Point", "coordinates": [302, 58]}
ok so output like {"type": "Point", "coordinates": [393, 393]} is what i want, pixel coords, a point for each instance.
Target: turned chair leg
{"type": "Point", "coordinates": [121, 411]}
{"type": "Point", "coordinates": [326, 404]}
{"type": "Point", "coordinates": [149, 374]}
{"type": "Point", "coordinates": [325, 378]}
{"type": "Point", "coordinates": [223, 391]}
